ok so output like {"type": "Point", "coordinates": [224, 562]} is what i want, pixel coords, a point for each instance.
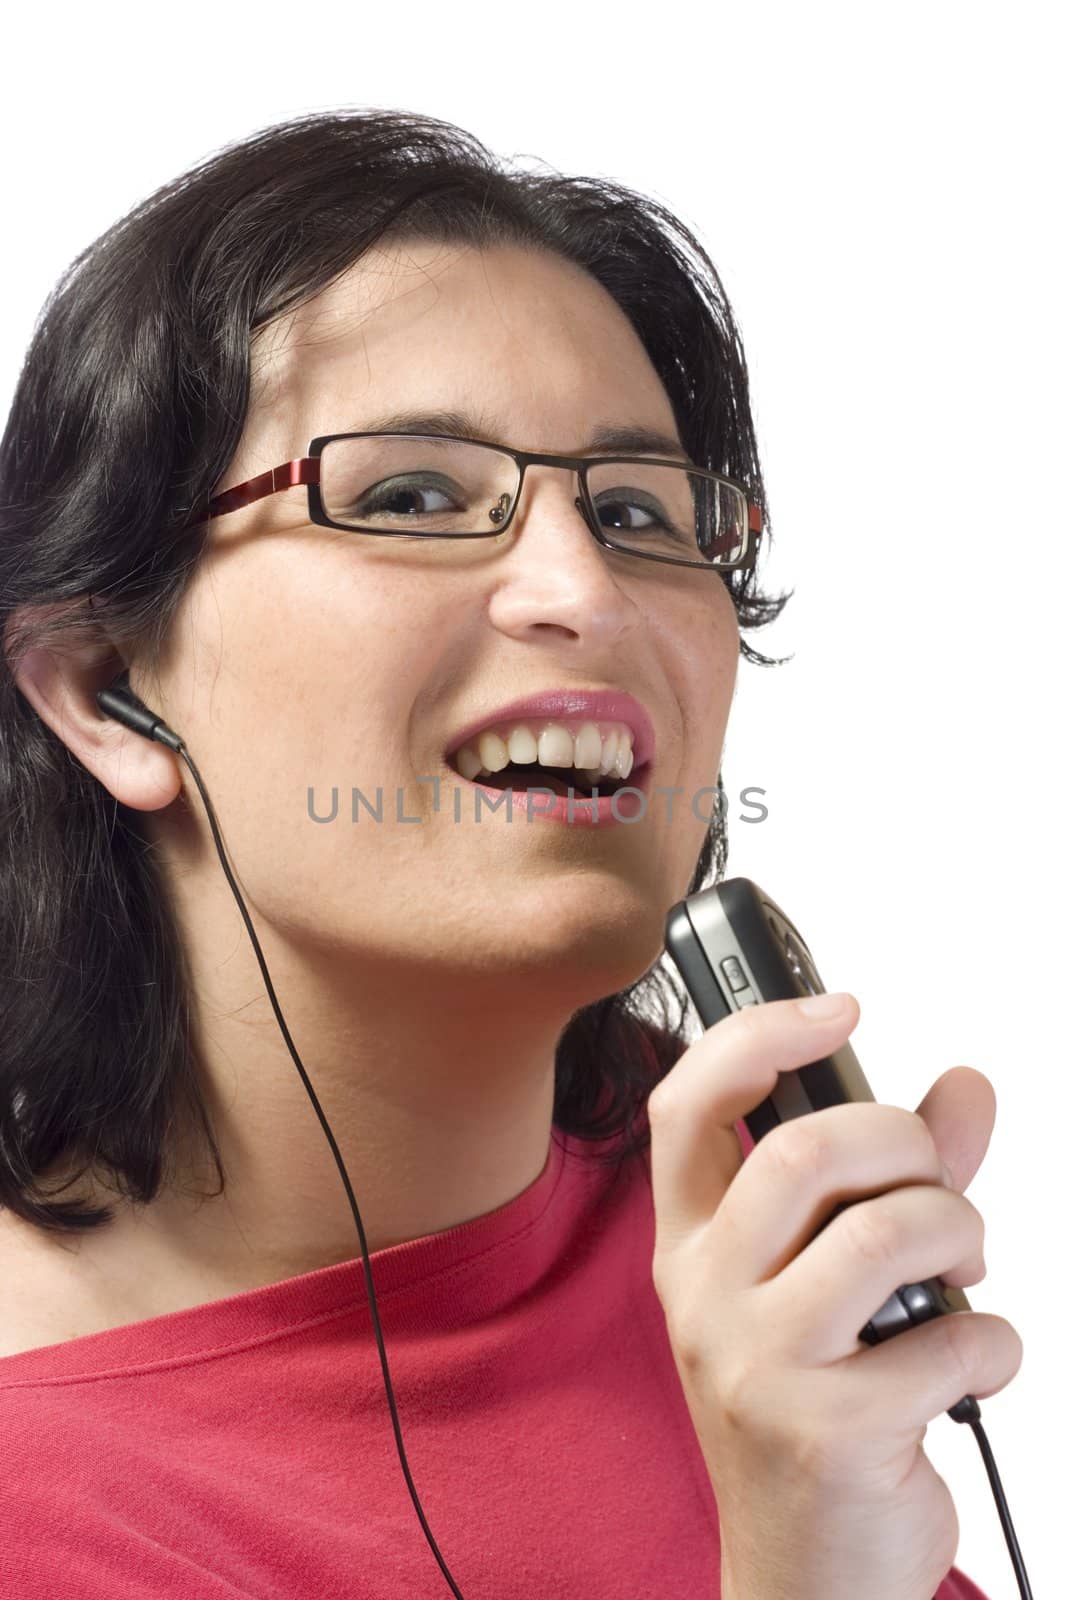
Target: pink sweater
{"type": "Point", "coordinates": [245, 1448]}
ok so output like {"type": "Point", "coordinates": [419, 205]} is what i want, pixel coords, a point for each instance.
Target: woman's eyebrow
{"type": "Point", "coordinates": [630, 440]}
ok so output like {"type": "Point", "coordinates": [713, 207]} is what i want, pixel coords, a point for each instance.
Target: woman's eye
{"type": "Point", "coordinates": [659, 518]}
{"type": "Point", "coordinates": [397, 494]}
{"type": "Point", "coordinates": [611, 504]}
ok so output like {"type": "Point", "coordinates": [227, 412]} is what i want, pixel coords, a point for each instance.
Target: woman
{"type": "Point", "coordinates": [188, 1371]}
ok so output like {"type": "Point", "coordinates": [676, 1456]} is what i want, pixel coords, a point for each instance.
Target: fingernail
{"type": "Point", "coordinates": [821, 1007]}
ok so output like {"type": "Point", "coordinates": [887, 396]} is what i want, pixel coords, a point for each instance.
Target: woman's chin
{"type": "Point", "coordinates": [608, 939]}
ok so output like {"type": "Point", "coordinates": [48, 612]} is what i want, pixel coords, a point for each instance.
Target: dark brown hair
{"type": "Point", "coordinates": [128, 409]}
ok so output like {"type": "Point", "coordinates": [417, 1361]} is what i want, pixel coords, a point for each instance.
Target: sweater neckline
{"type": "Point", "coordinates": [476, 1267]}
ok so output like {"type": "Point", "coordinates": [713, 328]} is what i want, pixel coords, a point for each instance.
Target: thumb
{"type": "Point", "coordinates": [960, 1110]}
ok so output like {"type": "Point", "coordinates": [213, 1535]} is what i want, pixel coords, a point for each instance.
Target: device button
{"type": "Point", "coordinates": [744, 997]}
{"type": "Point", "coordinates": [734, 975]}
{"type": "Point", "coordinates": [919, 1301]}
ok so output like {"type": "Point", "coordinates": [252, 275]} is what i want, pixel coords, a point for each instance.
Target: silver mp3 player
{"type": "Point", "coordinates": [735, 947]}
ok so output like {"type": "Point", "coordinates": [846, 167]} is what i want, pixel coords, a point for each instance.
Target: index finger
{"type": "Point", "coordinates": [695, 1152]}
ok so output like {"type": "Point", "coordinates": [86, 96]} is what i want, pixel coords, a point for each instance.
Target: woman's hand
{"type": "Point", "coordinates": [813, 1439]}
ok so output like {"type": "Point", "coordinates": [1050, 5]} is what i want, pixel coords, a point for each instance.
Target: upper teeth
{"type": "Point", "coordinates": [598, 750]}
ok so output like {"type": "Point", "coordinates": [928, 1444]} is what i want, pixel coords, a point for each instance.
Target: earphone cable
{"type": "Point", "coordinates": [121, 702]}
{"type": "Point", "coordinates": [1026, 1593]}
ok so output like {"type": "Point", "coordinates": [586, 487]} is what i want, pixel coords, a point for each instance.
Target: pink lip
{"type": "Point", "coordinates": [597, 705]}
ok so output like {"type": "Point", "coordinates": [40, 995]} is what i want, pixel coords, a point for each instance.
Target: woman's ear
{"type": "Point", "coordinates": [60, 681]}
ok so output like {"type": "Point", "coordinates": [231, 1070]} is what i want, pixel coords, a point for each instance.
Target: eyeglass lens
{"type": "Point", "coordinates": [428, 487]}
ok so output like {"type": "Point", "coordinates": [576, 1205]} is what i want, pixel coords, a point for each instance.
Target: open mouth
{"type": "Point", "coordinates": [521, 776]}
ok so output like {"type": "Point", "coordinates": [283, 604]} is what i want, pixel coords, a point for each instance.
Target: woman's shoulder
{"type": "Point", "coordinates": [52, 1291]}
{"type": "Point", "coordinates": [28, 1309]}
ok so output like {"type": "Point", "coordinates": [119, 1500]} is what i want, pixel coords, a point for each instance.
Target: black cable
{"type": "Point", "coordinates": [124, 706]}
{"type": "Point", "coordinates": [120, 702]}
{"type": "Point", "coordinates": [998, 1495]}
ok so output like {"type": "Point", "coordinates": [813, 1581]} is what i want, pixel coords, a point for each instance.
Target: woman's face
{"type": "Point", "coordinates": [306, 658]}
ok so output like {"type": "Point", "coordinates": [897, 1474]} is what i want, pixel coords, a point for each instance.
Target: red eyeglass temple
{"type": "Point", "coordinates": [306, 470]}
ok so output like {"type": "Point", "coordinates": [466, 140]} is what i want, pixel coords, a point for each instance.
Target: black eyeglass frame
{"type": "Point", "coordinates": [307, 470]}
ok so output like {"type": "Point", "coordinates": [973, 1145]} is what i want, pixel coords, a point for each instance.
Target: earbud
{"type": "Point", "coordinates": [119, 701]}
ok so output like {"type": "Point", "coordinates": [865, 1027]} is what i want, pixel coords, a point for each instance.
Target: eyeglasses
{"type": "Point", "coordinates": [417, 486]}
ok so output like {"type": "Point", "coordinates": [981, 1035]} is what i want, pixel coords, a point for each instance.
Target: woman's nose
{"type": "Point", "coordinates": [551, 512]}
{"type": "Point", "coordinates": [552, 571]}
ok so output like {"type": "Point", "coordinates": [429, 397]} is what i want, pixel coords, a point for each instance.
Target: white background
{"type": "Point", "coordinates": [880, 191]}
